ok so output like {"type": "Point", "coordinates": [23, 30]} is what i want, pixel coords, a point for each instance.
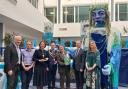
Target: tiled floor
{"type": "Point", "coordinates": [72, 86]}
{"type": "Point", "coordinates": [123, 87]}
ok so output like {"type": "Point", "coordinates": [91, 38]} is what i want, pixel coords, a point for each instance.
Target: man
{"type": "Point", "coordinates": [79, 65]}
{"type": "Point", "coordinates": [12, 60]}
{"type": "Point", "coordinates": [27, 65]}
{"type": "Point", "coordinates": [53, 66]}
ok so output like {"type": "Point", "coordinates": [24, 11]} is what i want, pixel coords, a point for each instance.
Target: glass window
{"type": "Point", "coordinates": [123, 12]}
{"type": "Point", "coordinates": [83, 13]}
{"type": "Point", "coordinates": [34, 3]}
{"type": "Point", "coordinates": [68, 14]}
{"type": "Point", "coordinates": [51, 14]}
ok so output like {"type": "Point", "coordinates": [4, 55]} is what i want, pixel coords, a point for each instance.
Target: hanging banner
{"type": "Point", "coordinates": [35, 43]}
{"type": "Point", "coordinates": [126, 42]}
{"type": "Point", "coordinates": [25, 43]}
{"type": "Point", "coordinates": [57, 42]}
{"type": "Point", "coordinates": [70, 43]}
{"type": "Point", "coordinates": [63, 42]}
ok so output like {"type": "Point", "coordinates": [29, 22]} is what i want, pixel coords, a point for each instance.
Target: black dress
{"type": "Point", "coordinates": [40, 77]}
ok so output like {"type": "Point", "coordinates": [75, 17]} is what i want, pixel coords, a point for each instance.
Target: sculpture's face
{"type": "Point", "coordinates": [98, 15]}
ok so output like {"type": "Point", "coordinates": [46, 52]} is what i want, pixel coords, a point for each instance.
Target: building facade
{"type": "Point", "coordinates": [22, 17]}
{"type": "Point", "coordinates": [67, 15]}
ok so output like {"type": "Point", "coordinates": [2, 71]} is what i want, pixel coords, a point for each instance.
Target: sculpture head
{"type": "Point", "coordinates": [99, 17]}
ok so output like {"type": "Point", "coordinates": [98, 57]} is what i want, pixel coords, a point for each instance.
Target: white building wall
{"type": "Point", "coordinates": [121, 1]}
{"type": "Point", "coordinates": [41, 6]}
{"type": "Point", "coordinates": [28, 33]}
{"type": "Point", "coordinates": [82, 2]}
{"type": "Point", "coordinates": [76, 28]}
{"type": "Point", "coordinates": [67, 30]}
{"type": "Point", "coordinates": [22, 12]}
{"type": "Point", "coordinates": [120, 25]}
{"type": "Point", "coordinates": [50, 3]}
{"type": "Point", "coordinates": [23, 18]}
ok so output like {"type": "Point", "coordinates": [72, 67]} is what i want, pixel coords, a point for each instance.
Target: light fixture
{"type": "Point", "coordinates": [52, 13]}
{"type": "Point", "coordinates": [66, 12]}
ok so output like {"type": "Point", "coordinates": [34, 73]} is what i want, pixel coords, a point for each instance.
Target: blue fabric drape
{"type": "Point", "coordinates": [123, 71]}
{"type": "Point", "coordinates": [101, 43]}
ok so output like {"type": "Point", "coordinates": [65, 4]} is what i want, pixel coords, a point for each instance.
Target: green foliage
{"type": "Point", "coordinates": [22, 42]}
{"type": "Point", "coordinates": [8, 38]}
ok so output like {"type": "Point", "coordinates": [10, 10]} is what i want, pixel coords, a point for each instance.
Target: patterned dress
{"type": "Point", "coordinates": [93, 77]}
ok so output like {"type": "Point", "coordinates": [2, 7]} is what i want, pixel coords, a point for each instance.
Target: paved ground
{"type": "Point", "coordinates": [72, 86]}
{"type": "Point", "coordinates": [57, 85]}
{"type": "Point", "coordinates": [123, 88]}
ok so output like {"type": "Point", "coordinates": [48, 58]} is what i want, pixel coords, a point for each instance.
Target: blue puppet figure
{"type": "Point", "coordinates": [112, 68]}
{"type": "Point", "coordinates": [108, 40]}
{"type": "Point", "coordinates": [99, 30]}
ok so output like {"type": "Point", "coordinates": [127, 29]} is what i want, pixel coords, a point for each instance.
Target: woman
{"type": "Point", "coordinates": [63, 59]}
{"type": "Point", "coordinates": [41, 66]}
{"type": "Point", "coordinates": [92, 66]}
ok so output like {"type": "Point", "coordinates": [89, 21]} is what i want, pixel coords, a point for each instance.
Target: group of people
{"type": "Point", "coordinates": [42, 65]}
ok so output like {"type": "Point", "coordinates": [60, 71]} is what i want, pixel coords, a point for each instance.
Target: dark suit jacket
{"type": "Point", "coordinates": [79, 60]}
{"type": "Point", "coordinates": [10, 58]}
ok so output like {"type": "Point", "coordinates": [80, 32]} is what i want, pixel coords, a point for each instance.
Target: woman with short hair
{"type": "Point", "coordinates": [63, 59]}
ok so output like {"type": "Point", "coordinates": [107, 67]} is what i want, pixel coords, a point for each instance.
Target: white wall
{"type": "Point", "coordinates": [72, 30]}
{"type": "Point", "coordinates": [50, 3]}
{"type": "Point", "coordinates": [122, 1]}
{"type": "Point", "coordinates": [41, 6]}
{"type": "Point", "coordinates": [119, 25]}
{"type": "Point", "coordinates": [23, 12]}
{"type": "Point", "coordinates": [82, 2]}
{"type": "Point", "coordinates": [69, 38]}
{"type": "Point", "coordinates": [29, 33]}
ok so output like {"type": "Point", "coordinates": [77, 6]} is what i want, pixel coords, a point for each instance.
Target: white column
{"type": "Point", "coordinates": [3, 45]}
{"type": "Point", "coordinates": [58, 11]}
{"type": "Point", "coordinates": [114, 10]}
{"type": "Point", "coordinates": [111, 8]}
{"type": "Point", "coordinates": [118, 13]}
{"type": "Point", "coordinates": [41, 6]}
{"type": "Point", "coordinates": [61, 12]}
{"type": "Point", "coordinates": [74, 14]}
